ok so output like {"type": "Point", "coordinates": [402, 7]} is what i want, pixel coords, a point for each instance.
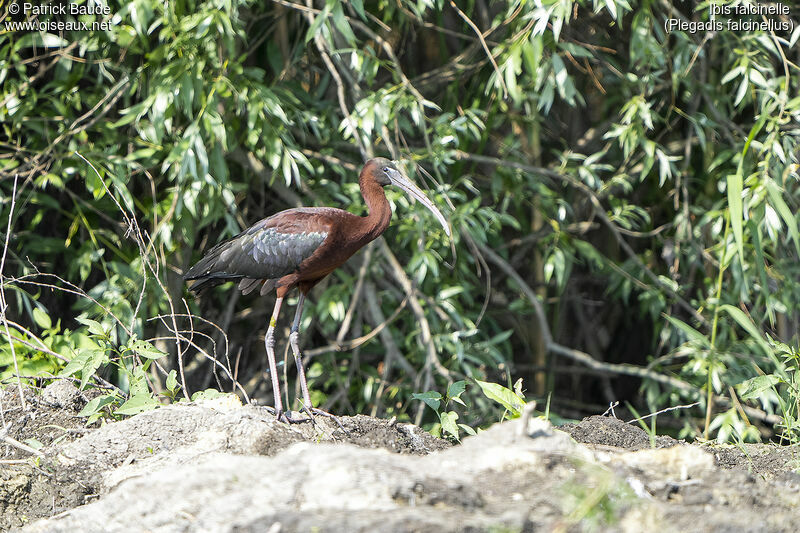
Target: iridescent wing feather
{"type": "Point", "coordinates": [268, 250]}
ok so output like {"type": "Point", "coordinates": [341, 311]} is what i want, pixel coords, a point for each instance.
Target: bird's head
{"type": "Point", "coordinates": [384, 172]}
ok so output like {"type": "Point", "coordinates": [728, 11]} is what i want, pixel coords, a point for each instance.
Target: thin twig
{"type": "Point", "coordinates": [133, 226]}
{"type": "Point", "coordinates": [426, 338]}
{"type": "Point", "coordinates": [356, 298]}
{"type": "Point", "coordinates": [485, 46]}
{"type": "Point", "coordinates": [180, 353]}
{"type": "Point", "coordinates": [181, 337]}
{"type": "Point", "coordinates": [72, 289]}
{"type": "Point", "coordinates": [3, 303]}
{"type": "Point", "coordinates": [20, 446]}
{"type": "Point", "coordinates": [481, 266]}
{"type": "Point", "coordinates": [617, 368]}
{"type": "Point", "coordinates": [689, 406]}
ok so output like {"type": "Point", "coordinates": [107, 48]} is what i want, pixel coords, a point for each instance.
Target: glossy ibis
{"type": "Point", "coordinates": [297, 248]}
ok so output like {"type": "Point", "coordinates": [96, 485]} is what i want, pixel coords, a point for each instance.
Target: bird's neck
{"type": "Point", "coordinates": [380, 212]}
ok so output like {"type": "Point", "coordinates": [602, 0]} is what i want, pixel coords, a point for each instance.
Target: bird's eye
{"type": "Point", "coordinates": [386, 169]}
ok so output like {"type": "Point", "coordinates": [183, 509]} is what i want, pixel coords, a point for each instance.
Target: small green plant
{"type": "Point", "coordinates": [731, 427]}
{"type": "Point", "coordinates": [447, 418]}
{"type": "Point", "coordinates": [131, 360]}
{"type": "Point", "coordinates": [172, 385]}
{"type": "Point", "coordinates": [777, 388]}
{"type": "Point", "coordinates": [511, 400]}
{"type": "Point", "coordinates": [208, 394]}
{"type": "Point", "coordinates": [781, 388]}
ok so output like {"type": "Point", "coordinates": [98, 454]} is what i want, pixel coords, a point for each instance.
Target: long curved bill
{"type": "Point", "coordinates": [415, 192]}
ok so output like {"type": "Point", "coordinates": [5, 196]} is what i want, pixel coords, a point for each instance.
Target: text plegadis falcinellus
{"type": "Point", "coordinates": [297, 248]}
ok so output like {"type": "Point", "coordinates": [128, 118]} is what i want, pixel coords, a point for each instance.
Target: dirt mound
{"type": "Point", "coordinates": [609, 431]}
{"type": "Point", "coordinates": [224, 467]}
{"type": "Point", "coordinates": [56, 463]}
{"type": "Point", "coordinates": [764, 460]}
{"type": "Point", "coordinates": [28, 487]}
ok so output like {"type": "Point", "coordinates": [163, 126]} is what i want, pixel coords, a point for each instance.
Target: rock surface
{"type": "Point", "coordinates": [211, 468]}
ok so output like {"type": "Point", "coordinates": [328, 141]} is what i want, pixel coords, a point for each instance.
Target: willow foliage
{"type": "Point", "coordinates": [623, 192]}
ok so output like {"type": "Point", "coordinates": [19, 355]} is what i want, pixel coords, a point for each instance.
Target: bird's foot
{"type": "Point", "coordinates": [311, 411]}
{"type": "Point", "coordinates": [291, 417]}
{"type": "Point", "coordinates": [288, 417]}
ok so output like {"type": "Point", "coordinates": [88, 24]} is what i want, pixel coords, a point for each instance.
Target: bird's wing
{"type": "Point", "coordinates": [274, 251]}
{"type": "Point", "coordinates": [269, 249]}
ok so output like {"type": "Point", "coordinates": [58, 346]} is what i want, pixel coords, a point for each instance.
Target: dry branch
{"type": "Point", "coordinates": [3, 303]}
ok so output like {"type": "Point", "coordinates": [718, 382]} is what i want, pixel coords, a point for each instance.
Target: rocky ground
{"type": "Point", "coordinates": [218, 466]}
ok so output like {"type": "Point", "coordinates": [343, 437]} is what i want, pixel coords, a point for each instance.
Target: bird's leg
{"type": "Point", "coordinates": [269, 342]}
{"type": "Point", "coordinates": [294, 338]}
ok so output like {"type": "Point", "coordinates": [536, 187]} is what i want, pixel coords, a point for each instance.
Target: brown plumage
{"type": "Point", "coordinates": [298, 248]}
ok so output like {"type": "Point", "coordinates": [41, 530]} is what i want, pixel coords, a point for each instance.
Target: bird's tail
{"type": "Point", "coordinates": [206, 282]}
{"type": "Point", "coordinates": [205, 273]}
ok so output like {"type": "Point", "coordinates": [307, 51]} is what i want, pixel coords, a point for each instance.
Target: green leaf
{"type": "Point", "coordinates": [587, 250]}
{"type": "Point", "coordinates": [358, 5]}
{"type": "Point", "coordinates": [736, 210]}
{"type": "Point", "coordinates": [432, 398]}
{"type": "Point", "coordinates": [94, 326]}
{"type": "Point", "coordinates": [33, 443]}
{"type": "Point", "coordinates": [40, 39]}
{"type": "Point", "coordinates": [318, 20]}
{"type": "Point", "coordinates": [505, 397]}
{"type": "Point", "coordinates": [468, 429]}
{"type": "Point", "coordinates": [748, 326]}
{"type": "Point", "coordinates": [755, 235]}
{"type": "Point", "coordinates": [95, 185]}
{"type": "Point", "coordinates": [448, 421]}
{"type": "Point", "coordinates": [733, 73]}
{"type": "Point", "coordinates": [449, 292]}
{"type": "Point", "coordinates": [138, 380]}
{"type": "Point", "coordinates": [612, 8]}
{"type": "Point", "coordinates": [735, 189]}
{"type": "Point", "coordinates": [783, 210]}
{"type": "Point", "coordinates": [340, 22]}
{"type": "Point", "coordinates": [145, 349]}
{"type": "Point", "coordinates": [795, 36]}
{"type": "Point", "coordinates": [87, 362]}
{"type": "Point", "coordinates": [456, 389]}
{"type": "Point", "coordinates": [752, 389]}
{"type": "Point", "coordinates": [458, 401]}
{"type": "Point", "coordinates": [137, 404]}
{"type": "Point", "coordinates": [96, 404]}
{"type": "Point", "coordinates": [172, 380]}
{"type": "Point", "coordinates": [690, 332]}
{"type": "Point", "coordinates": [42, 319]}
{"type": "Point", "coordinates": [742, 91]}
{"type": "Point", "coordinates": [208, 394]}
{"type": "Point", "coordinates": [75, 364]}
